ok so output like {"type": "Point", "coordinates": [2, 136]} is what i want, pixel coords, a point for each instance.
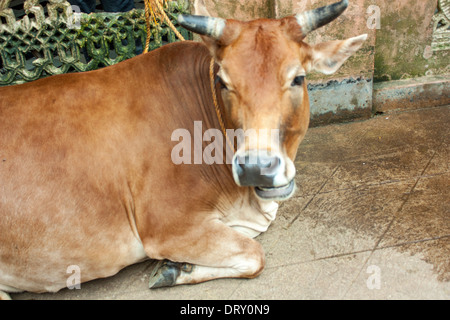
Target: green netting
{"type": "Point", "coordinates": [57, 40]}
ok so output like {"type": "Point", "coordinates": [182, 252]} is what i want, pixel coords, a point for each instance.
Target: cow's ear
{"type": "Point", "coordinates": [328, 57]}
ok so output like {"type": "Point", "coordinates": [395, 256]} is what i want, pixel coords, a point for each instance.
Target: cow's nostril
{"type": "Point", "coordinates": [270, 166]}
{"type": "Point", "coordinates": [239, 163]}
{"type": "Point", "coordinates": [266, 162]}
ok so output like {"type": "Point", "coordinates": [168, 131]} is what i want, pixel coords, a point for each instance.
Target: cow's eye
{"type": "Point", "coordinates": [298, 81]}
{"type": "Point", "coordinates": [223, 86]}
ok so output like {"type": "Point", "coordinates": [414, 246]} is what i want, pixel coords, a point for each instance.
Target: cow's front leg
{"type": "Point", "coordinates": [168, 273]}
{"type": "Point", "coordinates": [226, 254]}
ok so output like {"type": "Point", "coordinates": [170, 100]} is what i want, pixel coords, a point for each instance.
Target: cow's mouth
{"type": "Point", "coordinates": [277, 193]}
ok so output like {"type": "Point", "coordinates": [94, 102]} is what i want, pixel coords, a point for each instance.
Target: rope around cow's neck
{"type": "Point", "coordinates": [216, 104]}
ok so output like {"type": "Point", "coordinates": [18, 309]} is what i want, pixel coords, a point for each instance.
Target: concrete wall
{"type": "Point", "coordinates": [399, 47]}
{"type": "Point", "coordinates": [408, 73]}
{"type": "Point", "coordinates": [240, 9]}
{"type": "Point", "coordinates": [403, 43]}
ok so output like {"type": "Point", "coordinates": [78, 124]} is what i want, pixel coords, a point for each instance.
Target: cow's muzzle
{"type": "Point", "coordinates": [265, 172]}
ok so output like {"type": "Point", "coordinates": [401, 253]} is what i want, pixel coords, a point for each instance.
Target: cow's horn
{"type": "Point", "coordinates": [311, 20]}
{"type": "Point", "coordinates": [206, 26]}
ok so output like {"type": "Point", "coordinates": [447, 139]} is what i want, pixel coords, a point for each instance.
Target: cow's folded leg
{"type": "Point", "coordinates": [228, 255]}
{"type": "Point", "coordinates": [169, 274]}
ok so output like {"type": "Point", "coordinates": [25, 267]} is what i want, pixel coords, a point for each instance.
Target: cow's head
{"type": "Point", "coordinates": [263, 64]}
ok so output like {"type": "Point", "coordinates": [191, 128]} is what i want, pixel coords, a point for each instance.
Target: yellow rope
{"type": "Point", "coordinates": [154, 9]}
{"type": "Point", "coordinates": [147, 18]}
{"type": "Point", "coordinates": [216, 104]}
{"type": "Point", "coordinates": [167, 19]}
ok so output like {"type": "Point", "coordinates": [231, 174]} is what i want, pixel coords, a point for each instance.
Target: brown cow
{"type": "Point", "coordinates": [87, 181]}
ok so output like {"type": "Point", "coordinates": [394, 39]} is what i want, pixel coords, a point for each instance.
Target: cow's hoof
{"type": "Point", "coordinates": [4, 296]}
{"type": "Point", "coordinates": [164, 274]}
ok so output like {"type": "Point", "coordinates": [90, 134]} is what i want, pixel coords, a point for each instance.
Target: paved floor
{"type": "Point", "coordinates": [371, 220]}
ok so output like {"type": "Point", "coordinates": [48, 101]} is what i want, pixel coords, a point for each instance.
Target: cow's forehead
{"type": "Point", "coordinates": [261, 50]}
